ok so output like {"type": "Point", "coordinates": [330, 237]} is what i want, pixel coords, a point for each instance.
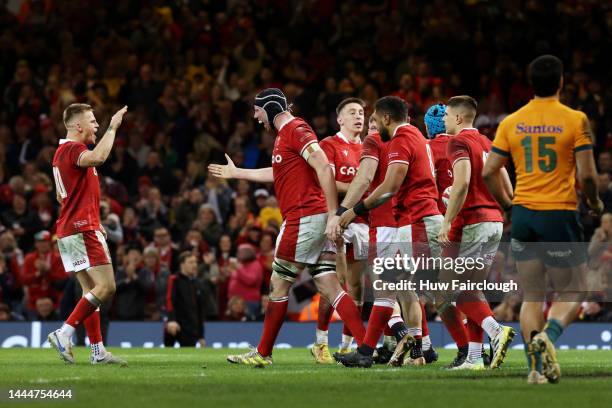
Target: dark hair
{"type": "Point", "coordinates": [184, 256]}
{"type": "Point", "coordinates": [346, 101]}
{"type": "Point", "coordinates": [393, 106]}
{"type": "Point", "coordinates": [464, 101]}
{"type": "Point", "coordinates": [545, 73]}
{"type": "Point", "coordinates": [75, 109]}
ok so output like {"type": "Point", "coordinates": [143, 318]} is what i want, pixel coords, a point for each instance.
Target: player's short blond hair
{"type": "Point", "coordinates": [73, 110]}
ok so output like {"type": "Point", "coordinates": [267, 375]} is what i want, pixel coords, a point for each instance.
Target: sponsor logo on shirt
{"type": "Point", "coordinates": [80, 223]}
{"type": "Point", "coordinates": [345, 152]}
{"type": "Point", "coordinates": [538, 129]}
{"type": "Point", "coordinates": [348, 171]}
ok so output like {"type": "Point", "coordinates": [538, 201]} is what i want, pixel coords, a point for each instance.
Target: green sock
{"type": "Point", "coordinates": [553, 329]}
{"type": "Point", "coordinates": [534, 360]}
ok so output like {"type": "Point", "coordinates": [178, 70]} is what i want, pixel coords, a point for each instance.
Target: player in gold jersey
{"type": "Point", "coordinates": [547, 142]}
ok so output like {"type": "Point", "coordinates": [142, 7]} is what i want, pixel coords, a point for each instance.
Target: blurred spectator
{"type": "Point", "coordinates": [6, 315]}
{"type": "Point", "coordinates": [185, 305]}
{"type": "Point", "coordinates": [207, 224]}
{"type": "Point", "coordinates": [22, 221]}
{"type": "Point", "coordinates": [43, 271]}
{"type": "Point", "coordinates": [246, 277]}
{"type": "Point", "coordinates": [162, 241]}
{"type": "Point", "coordinates": [134, 281]}
{"type": "Point", "coordinates": [508, 310]}
{"type": "Point", "coordinates": [45, 310]}
{"type": "Point", "coordinates": [160, 274]}
{"type": "Point", "coordinates": [237, 310]}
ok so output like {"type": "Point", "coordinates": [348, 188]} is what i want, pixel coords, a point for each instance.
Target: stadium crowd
{"type": "Point", "coordinates": [188, 72]}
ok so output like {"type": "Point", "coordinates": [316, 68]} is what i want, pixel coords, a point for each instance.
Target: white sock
{"type": "Point", "coordinates": [322, 336]}
{"type": "Point", "coordinates": [67, 330]}
{"type": "Point", "coordinates": [415, 331]}
{"type": "Point", "coordinates": [346, 341]}
{"type": "Point", "coordinates": [426, 343]}
{"type": "Point", "coordinates": [97, 349]}
{"type": "Point", "coordinates": [474, 352]}
{"type": "Point", "coordinates": [491, 327]}
{"type": "Point", "coordinates": [389, 342]}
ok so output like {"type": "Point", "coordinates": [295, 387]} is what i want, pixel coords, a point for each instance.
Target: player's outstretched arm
{"type": "Point", "coordinates": [587, 174]}
{"type": "Point", "coordinates": [493, 178]}
{"type": "Point", "coordinates": [361, 182]}
{"type": "Point", "coordinates": [97, 156]}
{"type": "Point", "coordinates": [230, 171]}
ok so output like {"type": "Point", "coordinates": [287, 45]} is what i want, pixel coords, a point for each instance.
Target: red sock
{"type": "Point", "coordinates": [81, 311]}
{"type": "Point", "coordinates": [454, 324]}
{"type": "Point", "coordinates": [424, 326]}
{"type": "Point", "coordinates": [92, 327]}
{"type": "Point", "coordinates": [476, 311]}
{"type": "Point", "coordinates": [324, 314]}
{"type": "Point", "coordinates": [474, 332]}
{"type": "Point", "coordinates": [350, 315]}
{"type": "Point", "coordinates": [345, 330]}
{"type": "Point", "coordinates": [381, 312]}
{"type": "Point", "coordinates": [275, 315]}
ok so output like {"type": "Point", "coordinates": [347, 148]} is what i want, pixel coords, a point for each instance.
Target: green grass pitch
{"type": "Point", "coordinates": [201, 377]}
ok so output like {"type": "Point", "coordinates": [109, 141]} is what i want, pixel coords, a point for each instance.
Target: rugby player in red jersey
{"type": "Point", "coordinates": [306, 191]}
{"type": "Point", "coordinates": [415, 209]}
{"type": "Point", "coordinates": [473, 223]}
{"type": "Point", "coordinates": [81, 237]}
{"type": "Point", "coordinates": [343, 151]}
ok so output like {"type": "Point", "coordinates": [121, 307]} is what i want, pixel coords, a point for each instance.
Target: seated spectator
{"type": "Point", "coordinates": [22, 221]}
{"type": "Point", "coordinates": [270, 215]}
{"type": "Point", "coordinates": [207, 224]}
{"type": "Point", "coordinates": [160, 274]}
{"type": "Point", "coordinates": [246, 277]}
{"type": "Point", "coordinates": [188, 208]}
{"type": "Point", "coordinates": [134, 282]}
{"type": "Point", "coordinates": [7, 316]}
{"type": "Point", "coordinates": [266, 256]}
{"type": "Point", "coordinates": [208, 273]}
{"type": "Point", "coordinates": [185, 305]}
{"type": "Point", "coordinates": [237, 310]}
{"type": "Point", "coordinates": [43, 271]}
{"type": "Point", "coordinates": [45, 310]}
{"type": "Point", "coordinates": [162, 241]}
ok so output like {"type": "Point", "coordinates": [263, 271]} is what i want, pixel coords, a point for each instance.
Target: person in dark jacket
{"type": "Point", "coordinates": [185, 304]}
{"type": "Point", "coordinates": [134, 282]}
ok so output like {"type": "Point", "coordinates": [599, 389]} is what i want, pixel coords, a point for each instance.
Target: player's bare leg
{"type": "Point", "coordinates": [329, 287]}
{"type": "Point", "coordinates": [285, 273]}
{"type": "Point", "coordinates": [99, 355]}
{"type": "Point", "coordinates": [533, 282]}
{"type": "Point", "coordinates": [320, 350]}
{"type": "Point", "coordinates": [352, 282]}
{"type": "Point", "coordinates": [568, 284]}
{"type": "Point", "coordinates": [103, 289]}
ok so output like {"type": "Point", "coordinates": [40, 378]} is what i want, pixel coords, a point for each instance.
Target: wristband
{"type": "Point", "coordinates": [360, 208]}
{"type": "Point", "coordinates": [341, 210]}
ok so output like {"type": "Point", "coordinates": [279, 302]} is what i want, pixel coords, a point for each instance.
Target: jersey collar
{"type": "Point", "coordinates": [62, 141]}
{"type": "Point", "coordinates": [346, 140]}
{"type": "Point", "coordinates": [402, 125]}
